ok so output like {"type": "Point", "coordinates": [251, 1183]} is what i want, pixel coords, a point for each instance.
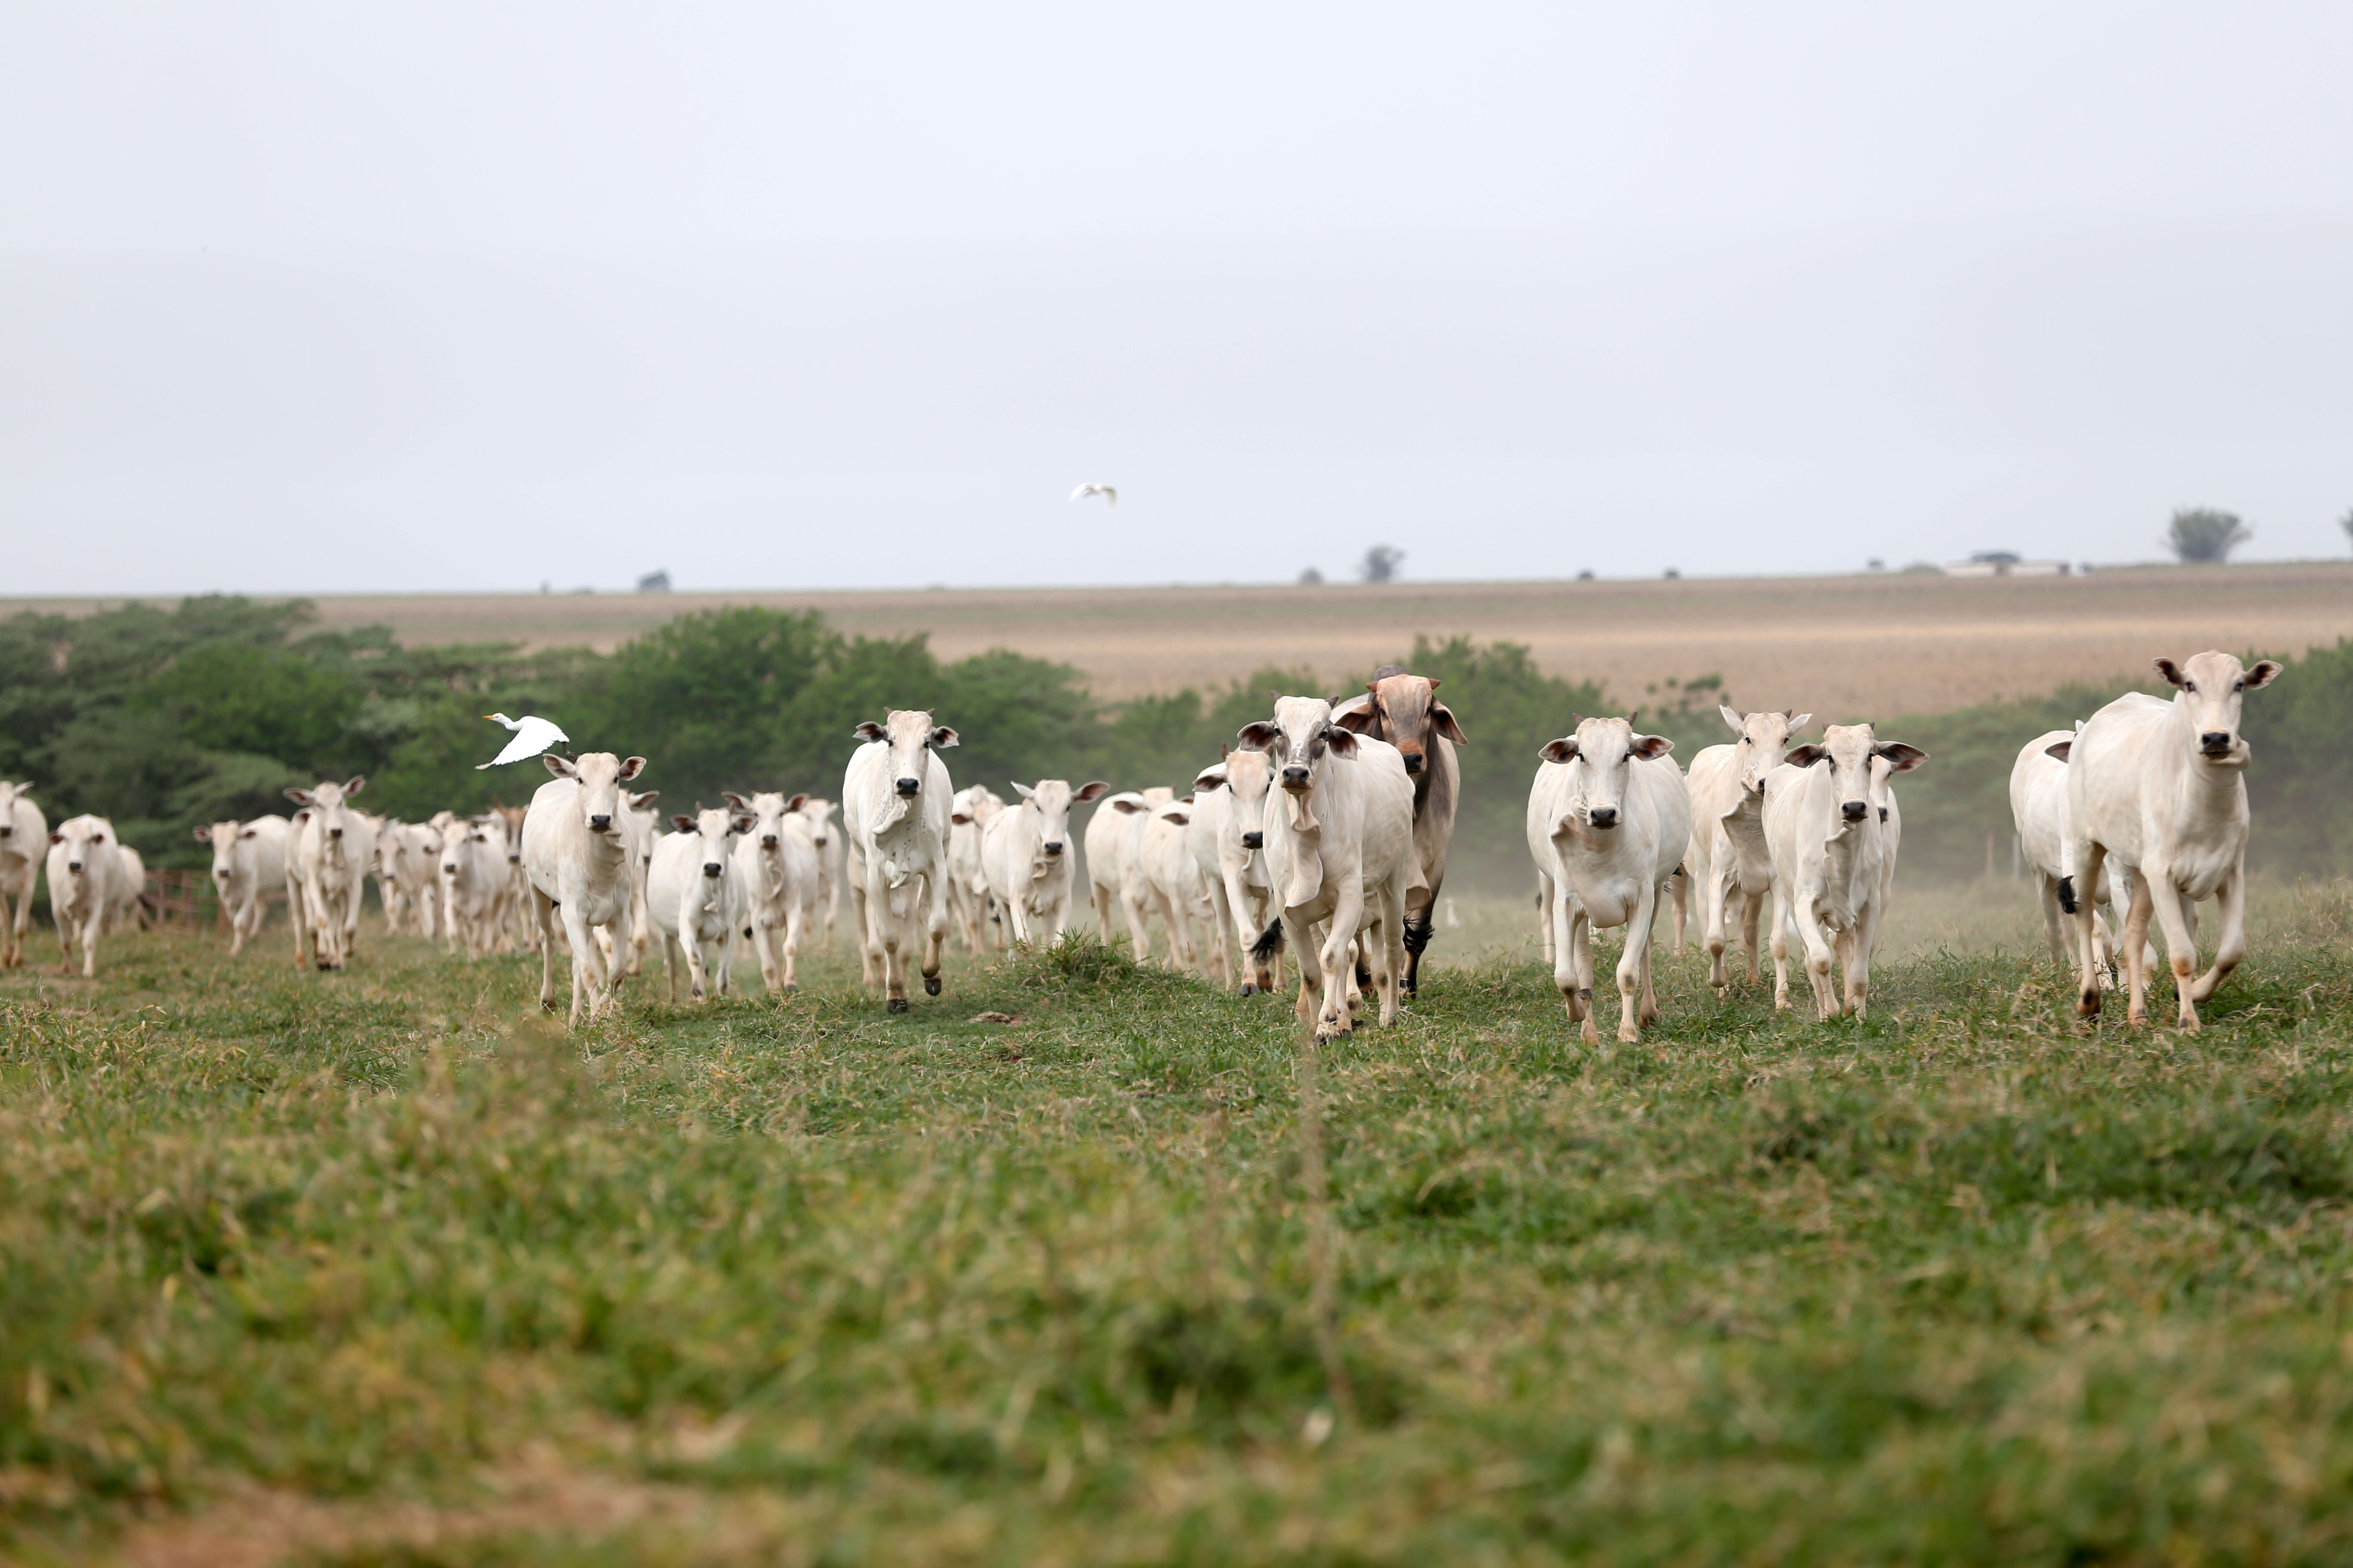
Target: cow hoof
{"type": "Point", "coordinates": [896, 1005]}
{"type": "Point", "coordinates": [1249, 990]}
{"type": "Point", "coordinates": [930, 984]}
{"type": "Point", "coordinates": [547, 1007]}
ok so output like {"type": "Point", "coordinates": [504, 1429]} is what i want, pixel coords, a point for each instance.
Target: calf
{"type": "Point", "coordinates": [1026, 856]}
{"type": "Point", "coordinates": [1608, 820]}
{"type": "Point", "coordinates": [2160, 788]}
{"type": "Point", "coordinates": [333, 852]}
{"type": "Point", "coordinates": [248, 860]}
{"type": "Point", "coordinates": [1404, 711]}
{"type": "Point", "coordinates": [894, 802]}
{"type": "Point", "coordinates": [1831, 826]}
{"type": "Point", "coordinates": [695, 890]}
{"type": "Point", "coordinates": [969, 814]}
{"type": "Point", "coordinates": [93, 888]}
{"type": "Point", "coordinates": [472, 864]}
{"type": "Point", "coordinates": [823, 837]}
{"type": "Point", "coordinates": [577, 854]}
{"type": "Point", "coordinates": [1176, 889]}
{"type": "Point", "coordinates": [2038, 805]}
{"type": "Point", "coordinates": [777, 864]}
{"type": "Point", "coordinates": [1729, 865]}
{"type": "Point", "coordinates": [1228, 835]}
{"type": "Point", "coordinates": [1339, 854]}
{"type": "Point", "coordinates": [24, 834]}
{"type": "Point", "coordinates": [408, 875]}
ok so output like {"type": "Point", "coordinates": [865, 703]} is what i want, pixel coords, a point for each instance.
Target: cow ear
{"type": "Point", "coordinates": [1127, 807]}
{"type": "Point", "coordinates": [2059, 749]}
{"type": "Point", "coordinates": [2170, 670]}
{"type": "Point", "coordinates": [1341, 741]}
{"type": "Point", "coordinates": [871, 730]}
{"type": "Point", "coordinates": [1442, 718]}
{"type": "Point", "coordinates": [355, 784]}
{"type": "Point", "coordinates": [1559, 750]}
{"type": "Point", "coordinates": [1901, 758]}
{"type": "Point", "coordinates": [682, 822]}
{"type": "Point", "coordinates": [298, 797]}
{"type": "Point", "coordinates": [794, 804]}
{"type": "Point", "coordinates": [204, 836]}
{"type": "Point", "coordinates": [737, 801]}
{"type": "Point", "coordinates": [2262, 674]}
{"type": "Point", "coordinates": [1260, 736]}
{"type": "Point", "coordinates": [1434, 685]}
{"type": "Point", "coordinates": [24, 789]}
{"type": "Point", "coordinates": [943, 738]}
{"type": "Point", "coordinates": [1353, 720]}
{"type": "Point", "coordinates": [742, 822]}
{"type": "Point", "coordinates": [56, 835]}
{"type": "Point", "coordinates": [1797, 720]}
{"type": "Point", "coordinates": [960, 818]}
{"type": "Point", "coordinates": [1206, 782]}
{"type": "Point", "coordinates": [1023, 790]}
{"type": "Point", "coordinates": [1093, 789]}
{"type": "Point", "coordinates": [558, 766]}
{"type": "Point", "coordinates": [1224, 751]}
{"type": "Point", "coordinates": [640, 801]}
{"type": "Point", "coordinates": [1733, 717]}
{"type": "Point", "coordinates": [1805, 756]}
{"type": "Point", "coordinates": [630, 768]}
{"type": "Point", "coordinates": [1178, 817]}
{"type": "Point", "coordinates": [1651, 746]}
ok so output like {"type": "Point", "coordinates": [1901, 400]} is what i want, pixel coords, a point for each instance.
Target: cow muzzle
{"type": "Point", "coordinates": [334, 832]}
{"type": "Point", "coordinates": [2215, 742]}
{"type": "Point", "coordinates": [711, 869]}
{"type": "Point", "coordinates": [909, 787]}
{"type": "Point", "coordinates": [1294, 778]}
{"type": "Point", "coordinates": [1052, 848]}
{"type": "Point", "coordinates": [767, 841]}
{"type": "Point", "coordinates": [600, 824]}
{"type": "Point", "coordinates": [1412, 761]}
{"type": "Point", "coordinates": [1603, 816]}
{"type": "Point", "coordinates": [74, 867]}
{"type": "Point", "coordinates": [1855, 810]}
{"type": "Point", "coordinates": [7, 830]}
{"type": "Point", "coordinates": [450, 867]}
{"type": "Point", "coordinates": [1253, 840]}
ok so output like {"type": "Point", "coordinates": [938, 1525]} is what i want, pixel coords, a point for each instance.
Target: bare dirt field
{"type": "Point", "coordinates": [1851, 645]}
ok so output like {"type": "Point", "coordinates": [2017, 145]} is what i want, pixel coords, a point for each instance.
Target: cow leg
{"type": "Point", "coordinates": [2230, 939]}
{"type": "Point", "coordinates": [2175, 918]}
{"type": "Point", "coordinates": [1713, 895]}
{"type": "Point", "coordinates": [2047, 895]}
{"type": "Point", "coordinates": [1679, 887]}
{"type": "Point", "coordinates": [2137, 952]}
{"type": "Point", "coordinates": [587, 987]}
{"type": "Point", "coordinates": [796, 921]}
{"type": "Point", "coordinates": [1394, 977]}
{"type": "Point", "coordinates": [2089, 856]}
{"type": "Point", "coordinates": [1132, 904]}
{"type": "Point", "coordinates": [1630, 962]}
{"type": "Point", "coordinates": [1221, 919]}
{"type": "Point", "coordinates": [1339, 973]}
{"type": "Point", "coordinates": [935, 931]}
{"type": "Point", "coordinates": [764, 948]}
{"type": "Point", "coordinates": [1817, 952]}
{"type": "Point", "coordinates": [544, 916]}
{"type": "Point", "coordinates": [1752, 914]}
{"type": "Point", "coordinates": [1580, 942]}
{"type": "Point", "coordinates": [698, 969]}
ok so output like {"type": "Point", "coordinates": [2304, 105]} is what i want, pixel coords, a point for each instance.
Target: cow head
{"type": "Point", "coordinates": [600, 775]}
{"type": "Point", "coordinates": [1300, 738]}
{"type": "Point", "coordinates": [10, 794]}
{"type": "Point", "coordinates": [82, 836]}
{"type": "Point", "coordinates": [1047, 807]}
{"type": "Point", "coordinates": [1849, 751]}
{"type": "Point", "coordinates": [327, 804]}
{"type": "Point", "coordinates": [2211, 686]}
{"type": "Point", "coordinates": [1764, 741]}
{"type": "Point", "coordinates": [767, 810]}
{"type": "Point", "coordinates": [1246, 776]}
{"type": "Point", "coordinates": [819, 814]}
{"type": "Point", "coordinates": [911, 737]}
{"type": "Point", "coordinates": [1404, 711]}
{"type": "Point", "coordinates": [975, 806]}
{"type": "Point", "coordinates": [712, 826]}
{"type": "Point", "coordinates": [1604, 750]}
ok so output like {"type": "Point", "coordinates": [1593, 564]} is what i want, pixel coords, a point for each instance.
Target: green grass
{"type": "Point", "coordinates": [383, 1260]}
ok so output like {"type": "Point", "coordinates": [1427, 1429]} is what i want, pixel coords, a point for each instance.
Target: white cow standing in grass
{"type": "Point", "coordinates": [632, 936]}
{"type": "Point", "coordinates": [24, 837]}
{"type": "Point", "coordinates": [2038, 804]}
{"type": "Point", "coordinates": [577, 854]}
{"type": "Point", "coordinates": [826, 839]}
{"type": "Point", "coordinates": [2160, 788]}
{"type": "Point", "coordinates": [249, 859]}
{"type": "Point", "coordinates": [1339, 853]}
{"type": "Point", "coordinates": [894, 802]}
{"type": "Point", "coordinates": [1832, 824]}
{"type": "Point", "coordinates": [695, 890]}
{"type": "Point", "coordinates": [777, 864]}
{"type": "Point", "coordinates": [1228, 835]}
{"type": "Point", "coordinates": [1026, 861]}
{"type": "Point", "coordinates": [1137, 898]}
{"type": "Point", "coordinates": [1108, 831]}
{"type": "Point", "coordinates": [1178, 891]}
{"type": "Point", "coordinates": [969, 814]}
{"type": "Point", "coordinates": [1608, 821]}
{"type": "Point", "coordinates": [333, 852]}
{"type": "Point", "coordinates": [94, 886]}
{"type": "Point", "coordinates": [407, 859]}
{"type": "Point", "coordinates": [1730, 868]}
{"type": "Point", "coordinates": [471, 871]}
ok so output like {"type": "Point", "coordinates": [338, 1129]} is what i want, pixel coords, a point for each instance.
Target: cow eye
{"type": "Point", "coordinates": [2237, 685]}
{"type": "Point", "coordinates": [2188, 685]}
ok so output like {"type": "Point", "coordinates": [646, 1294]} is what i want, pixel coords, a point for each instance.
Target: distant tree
{"type": "Point", "coordinates": [1380, 563]}
{"type": "Point", "coordinates": [2205, 535]}
{"type": "Point", "coordinates": [2346, 522]}
{"type": "Point", "coordinates": [1311, 578]}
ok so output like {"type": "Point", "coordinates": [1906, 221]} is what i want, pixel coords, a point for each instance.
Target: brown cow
{"type": "Point", "coordinates": [1404, 711]}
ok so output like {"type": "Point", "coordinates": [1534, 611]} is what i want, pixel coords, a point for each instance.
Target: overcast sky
{"type": "Point", "coordinates": [406, 296]}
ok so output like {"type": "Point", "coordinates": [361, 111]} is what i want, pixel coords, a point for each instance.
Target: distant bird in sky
{"type": "Point", "coordinates": [533, 736]}
{"type": "Point", "coordinates": [1108, 492]}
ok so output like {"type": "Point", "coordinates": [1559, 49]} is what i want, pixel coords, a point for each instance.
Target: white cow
{"type": "Point", "coordinates": [2038, 804]}
{"type": "Point", "coordinates": [471, 868]}
{"type": "Point", "coordinates": [24, 834]}
{"type": "Point", "coordinates": [407, 876]}
{"type": "Point", "coordinates": [1108, 832]}
{"type": "Point", "coordinates": [639, 831]}
{"type": "Point", "coordinates": [1175, 886]}
{"type": "Point", "coordinates": [575, 853]}
{"type": "Point", "coordinates": [1339, 854]}
{"type": "Point", "coordinates": [778, 867]}
{"type": "Point", "coordinates": [1608, 821]}
{"type": "Point", "coordinates": [969, 814]}
{"type": "Point", "coordinates": [249, 859]}
{"type": "Point", "coordinates": [1137, 897]}
{"type": "Point", "coordinates": [695, 890]}
{"type": "Point", "coordinates": [1730, 869]}
{"type": "Point", "coordinates": [1832, 824]}
{"type": "Point", "coordinates": [333, 852]}
{"type": "Point", "coordinates": [2160, 788]}
{"type": "Point", "coordinates": [819, 814]}
{"type": "Point", "coordinates": [94, 886]}
{"type": "Point", "coordinates": [1228, 836]}
{"type": "Point", "coordinates": [1026, 856]}
{"type": "Point", "coordinates": [894, 803]}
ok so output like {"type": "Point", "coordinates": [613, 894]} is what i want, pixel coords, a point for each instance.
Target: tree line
{"type": "Point", "coordinates": [163, 719]}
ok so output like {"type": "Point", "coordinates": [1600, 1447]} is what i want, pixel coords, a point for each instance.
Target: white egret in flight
{"type": "Point", "coordinates": [1108, 492]}
{"type": "Point", "coordinates": [533, 736]}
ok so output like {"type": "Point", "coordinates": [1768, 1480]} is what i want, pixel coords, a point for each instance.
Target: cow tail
{"type": "Point", "coordinates": [2067, 894]}
{"type": "Point", "coordinates": [1270, 941]}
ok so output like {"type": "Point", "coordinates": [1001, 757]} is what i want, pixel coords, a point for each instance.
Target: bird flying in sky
{"type": "Point", "coordinates": [1108, 492]}
{"type": "Point", "coordinates": [531, 737]}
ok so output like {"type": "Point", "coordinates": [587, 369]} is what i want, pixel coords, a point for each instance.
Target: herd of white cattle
{"type": "Point", "coordinates": [1322, 830]}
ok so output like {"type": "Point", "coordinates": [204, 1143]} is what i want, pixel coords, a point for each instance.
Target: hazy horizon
{"type": "Point", "coordinates": [443, 299]}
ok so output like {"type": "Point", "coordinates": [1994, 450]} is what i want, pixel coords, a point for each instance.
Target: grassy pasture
{"type": "Point", "coordinates": [376, 1268]}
